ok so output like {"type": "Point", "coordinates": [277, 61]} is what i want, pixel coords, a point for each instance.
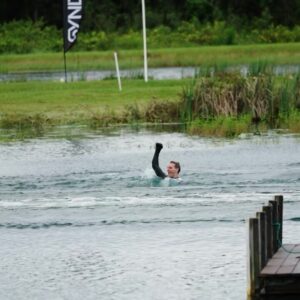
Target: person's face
{"type": "Point", "coordinates": [172, 171]}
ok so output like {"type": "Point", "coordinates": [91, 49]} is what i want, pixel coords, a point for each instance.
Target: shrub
{"type": "Point", "coordinates": [231, 95]}
{"type": "Point", "coordinates": [94, 41]}
{"type": "Point", "coordinates": [27, 36]}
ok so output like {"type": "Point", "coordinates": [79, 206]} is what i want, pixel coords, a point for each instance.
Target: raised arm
{"type": "Point", "coordinates": [155, 163]}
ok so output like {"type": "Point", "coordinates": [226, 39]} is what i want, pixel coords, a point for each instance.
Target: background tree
{"type": "Point", "coordinates": [116, 15]}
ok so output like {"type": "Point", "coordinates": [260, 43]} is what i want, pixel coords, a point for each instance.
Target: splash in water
{"type": "Point", "coordinates": [155, 181]}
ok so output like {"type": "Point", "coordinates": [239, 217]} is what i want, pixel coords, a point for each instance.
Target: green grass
{"type": "Point", "coordinates": [78, 101]}
{"type": "Point", "coordinates": [225, 126]}
{"type": "Point", "coordinates": [288, 53]}
{"type": "Point", "coordinates": [223, 105]}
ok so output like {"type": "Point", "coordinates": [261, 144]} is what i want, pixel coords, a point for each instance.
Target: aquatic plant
{"type": "Point", "coordinates": [224, 104]}
{"type": "Point", "coordinates": [105, 118]}
{"type": "Point", "coordinates": [292, 122]}
{"type": "Point", "coordinates": [19, 127]}
{"type": "Point", "coordinates": [154, 111]}
{"type": "Point", "coordinates": [264, 97]}
{"type": "Point", "coordinates": [164, 112]}
{"type": "Point", "coordinates": [20, 122]}
{"type": "Point", "coordinates": [132, 113]}
{"type": "Point", "coordinates": [222, 95]}
{"type": "Point", "coordinates": [260, 67]}
{"type": "Point", "coordinates": [221, 126]}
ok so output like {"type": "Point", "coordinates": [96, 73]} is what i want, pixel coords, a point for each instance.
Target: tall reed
{"type": "Point", "coordinates": [264, 97]}
{"type": "Point", "coordinates": [225, 95]}
{"type": "Point", "coordinates": [260, 67]}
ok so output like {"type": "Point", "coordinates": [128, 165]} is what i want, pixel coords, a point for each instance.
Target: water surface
{"type": "Point", "coordinates": [153, 73]}
{"type": "Point", "coordinates": [85, 218]}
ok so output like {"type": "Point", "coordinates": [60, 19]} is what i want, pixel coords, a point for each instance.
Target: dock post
{"type": "Point", "coordinates": [261, 216]}
{"type": "Point", "coordinates": [279, 200]}
{"type": "Point", "coordinates": [265, 236]}
{"type": "Point", "coordinates": [268, 225]}
{"type": "Point", "coordinates": [274, 205]}
{"type": "Point", "coordinates": [253, 257]}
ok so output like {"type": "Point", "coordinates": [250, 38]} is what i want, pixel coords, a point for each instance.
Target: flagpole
{"type": "Point", "coordinates": [64, 40]}
{"type": "Point", "coordinates": [145, 42]}
{"type": "Point", "coordinates": [72, 14]}
{"type": "Point", "coordinates": [65, 64]}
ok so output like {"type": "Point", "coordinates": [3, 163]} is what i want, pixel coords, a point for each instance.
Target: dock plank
{"type": "Point", "coordinates": [285, 270]}
{"type": "Point", "coordinates": [297, 268]}
{"type": "Point", "coordinates": [283, 262]}
{"type": "Point", "coordinates": [281, 253]}
{"type": "Point", "coordinates": [267, 270]}
{"type": "Point", "coordinates": [272, 271]}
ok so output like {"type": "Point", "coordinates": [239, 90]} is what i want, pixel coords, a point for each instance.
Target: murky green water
{"type": "Point", "coordinates": [84, 218]}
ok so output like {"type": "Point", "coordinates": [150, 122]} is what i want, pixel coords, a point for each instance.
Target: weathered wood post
{"type": "Point", "coordinates": [264, 232]}
{"type": "Point", "coordinates": [274, 205]}
{"type": "Point", "coordinates": [253, 257]}
{"type": "Point", "coordinates": [268, 225]}
{"type": "Point", "coordinates": [271, 237]}
{"type": "Point", "coordinates": [279, 200]}
{"type": "Point", "coordinates": [261, 216]}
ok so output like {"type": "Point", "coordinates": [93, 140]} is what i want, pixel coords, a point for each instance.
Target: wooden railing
{"type": "Point", "coordinates": [265, 236]}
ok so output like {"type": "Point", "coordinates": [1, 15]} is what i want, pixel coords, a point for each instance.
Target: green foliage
{"type": "Point", "coordinates": [260, 67]}
{"type": "Point", "coordinates": [227, 105]}
{"type": "Point", "coordinates": [133, 112]}
{"type": "Point", "coordinates": [162, 35]}
{"type": "Point", "coordinates": [129, 40]}
{"type": "Point", "coordinates": [121, 16]}
{"type": "Point", "coordinates": [104, 118]}
{"type": "Point", "coordinates": [191, 34]}
{"type": "Point", "coordinates": [231, 96]}
{"type": "Point", "coordinates": [292, 121]}
{"type": "Point", "coordinates": [94, 41]}
{"type": "Point", "coordinates": [217, 33]}
{"type": "Point", "coordinates": [153, 112]}
{"type": "Point", "coordinates": [27, 36]}
{"type": "Point", "coordinates": [220, 105]}
{"type": "Point", "coordinates": [221, 126]}
{"type": "Point", "coordinates": [164, 112]}
{"type": "Point", "coordinates": [35, 122]}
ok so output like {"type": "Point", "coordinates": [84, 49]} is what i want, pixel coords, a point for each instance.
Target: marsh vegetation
{"type": "Point", "coordinates": [212, 103]}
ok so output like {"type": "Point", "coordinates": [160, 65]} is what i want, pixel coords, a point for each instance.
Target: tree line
{"type": "Point", "coordinates": [121, 16]}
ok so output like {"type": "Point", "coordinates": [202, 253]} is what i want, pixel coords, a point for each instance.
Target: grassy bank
{"type": "Point", "coordinates": [195, 56]}
{"type": "Point", "coordinates": [229, 104]}
{"type": "Point", "coordinates": [226, 104]}
{"type": "Point", "coordinates": [23, 104]}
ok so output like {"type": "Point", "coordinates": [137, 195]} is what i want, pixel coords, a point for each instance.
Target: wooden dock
{"type": "Point", "coordinates": [273, 268]}
{"type": "Point", "coordinates": [281, 275]}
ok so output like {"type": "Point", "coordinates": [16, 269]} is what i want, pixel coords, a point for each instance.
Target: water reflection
{"type": "Point", "coordinates": [84, 131]}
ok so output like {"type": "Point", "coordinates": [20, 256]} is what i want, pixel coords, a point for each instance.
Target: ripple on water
{"type": "Point", "coordinates": [85, 219]}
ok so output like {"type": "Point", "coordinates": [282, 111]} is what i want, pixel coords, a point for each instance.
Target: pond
{"type": "Point", "coordinates": [153, 73]}
{"type": "Point", "coordinates": [84, 218]}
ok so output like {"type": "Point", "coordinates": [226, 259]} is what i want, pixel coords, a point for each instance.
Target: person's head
{"type": "Point", "coordinates": [173, 169]}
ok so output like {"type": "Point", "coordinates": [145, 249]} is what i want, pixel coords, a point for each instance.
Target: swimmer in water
{"type": "Point", "coordinates": [173, 168]}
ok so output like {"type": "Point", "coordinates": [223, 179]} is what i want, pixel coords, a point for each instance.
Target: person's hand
{"type": "Point", "coordinates": [158, 146]}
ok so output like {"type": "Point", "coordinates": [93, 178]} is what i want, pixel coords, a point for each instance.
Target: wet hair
{"type": "Point", "coordinates": [176, 164]}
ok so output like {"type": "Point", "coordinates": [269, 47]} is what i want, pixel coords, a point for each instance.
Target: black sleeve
{"type": "Point", "coordinates": [155, 163]}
